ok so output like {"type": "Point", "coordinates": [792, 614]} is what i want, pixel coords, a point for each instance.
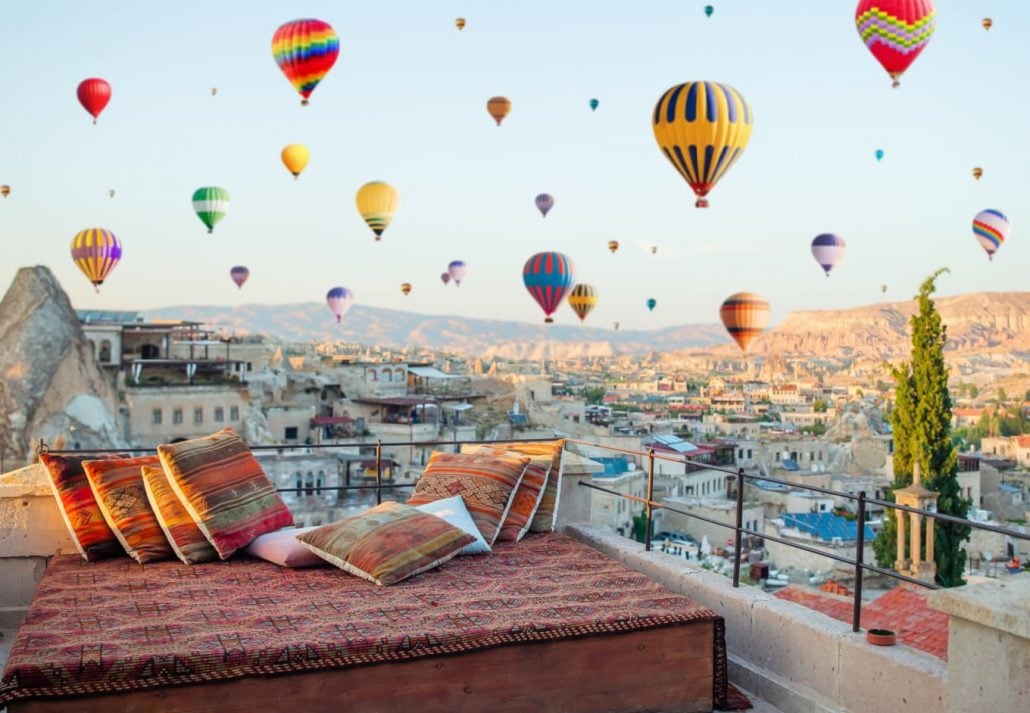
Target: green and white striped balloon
{"type": "Point", "coordinates": [211, 204]}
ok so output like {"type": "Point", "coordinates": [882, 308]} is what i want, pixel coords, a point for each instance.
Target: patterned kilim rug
{"type": "Point", "coordinates": [116, 625]}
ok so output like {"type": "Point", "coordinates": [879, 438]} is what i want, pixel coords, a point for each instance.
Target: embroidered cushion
{"type": "Point", "coordinates": [453, 510]}
{"type": "Point", "coordinates": [527, 498]}
{"type": "Point", "coordinates": [86, 524]}
{"type": "Point", "coordinates": [485, 482]}
{"type": "Point", "coordinates": [543, 520]}
{"type": "Point", "coordinates": [388, 543]}
{"type": "Point", "coordinates": [284, 549]}
{"type": "Point", "coordinates": [224, 489]}
{"type": "Point", "coordinates": [117, 485]}
{"type": "Point", "coordinates": [183, 535]}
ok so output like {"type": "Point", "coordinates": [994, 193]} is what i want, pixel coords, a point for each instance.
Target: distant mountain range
{"type": "Point", "coordinates": [983, 321]}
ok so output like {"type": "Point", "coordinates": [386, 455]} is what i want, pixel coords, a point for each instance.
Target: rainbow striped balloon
{"type": "Point", "coordinates": [305, 51]}
{"type": "Point", "coordinates": [991, 228]}
{"type": "Point", "coordinates": [548, 277]}
{"type": "Point", "coordinates": [745, 315]}
{"type": "Point", "coordinates": [96, 251]}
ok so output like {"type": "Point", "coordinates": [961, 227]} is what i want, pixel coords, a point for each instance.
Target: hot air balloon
{"type": "Point", "coordinates": [616, 325]}
{"type": "Point", "coordinates": [977, 172]}
{"type": "Point", "coordinates": [445, 277]}
{"type": "Point", "coordinates": [339, 300]}
{"type": "Point", "coordinates": [94, 94]}
{"type": "Point", "coordinates": [305, 51]}
{"type": "Point", "coordinates": [214, 91]}
{"type": "Point", "coordinates": [613, 245]}
{"type": "Point", "coordinates": [987, 22]}
{"type": "Point", "coordinates": [582, 299]}
{"type": "Point", "coordinates": [458, 271]}
{"type": "Point", "coordinates": [651, 304]}
{"type": "Point", "coordinates": [879, 154]}
{"type": "Point", "coordinates": [709, 10]}
{"type": "Point", "coordinates": [548, 277]}
{"type": "Point", "coordinates": [295, 158]}
{"type": "Point", "coordinates": [745, 315]}
{"type": "Point", "coordinates": [883, 288]}
{"type": "Point", "coordinates": [895, 31]}
{"type": "Point", "coordinates": [111, 193]}
{"type": "Point", "coordinates": [406, 288]}
{"type": "Point", "coordinates": [594, 103]}
{"type": "Point", "coordinates": [498, 108]}
{"type": "Point", "coordinates": [460, 23]}
{"type": "Point", "coordinates": [828, 249]}
{"type": "Point", "coordinates": [96, 251]}
{"type": "Point", "coordinates": [377, 202]}
{"type": "Point", "coordinates": [991, 229]}
{"type": "Point", "coordinates": [702, 128]}
{"type": "Point", "coordinates": [544, 203]}
{"type": "Point", "coordinates": [211, 203]}
{"type": "Point", "coordinates": [654, 249]}
{"type": "Point", "coordinates": [239, 275]}
{"type": "Point", "coordinates": [5, 190]}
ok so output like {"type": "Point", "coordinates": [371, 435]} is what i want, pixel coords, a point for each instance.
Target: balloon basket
{"type": "Point", "coordinates": [303, 102]}
{"type": "Point", "coordinates": [701, 203]}
{"type": "Point", "coordinates": [549, 320]}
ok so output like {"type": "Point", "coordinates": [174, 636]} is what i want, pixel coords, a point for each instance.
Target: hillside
{"type": "Point", "coordinates": [981, 322]}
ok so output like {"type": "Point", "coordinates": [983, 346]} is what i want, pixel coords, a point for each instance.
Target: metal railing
{"type": "Point", "coordinates": [861, 500]}
{"type": "Point", "coordinates": [738, 528]}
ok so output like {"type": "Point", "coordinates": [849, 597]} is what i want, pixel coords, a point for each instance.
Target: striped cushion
{"type": "Point", "coordinates": [224, 490]}
{"type": "Point", "coordinates": [485, 482]}
{"type": "Point", "coordinates": [528, 496]}
{"type": "Point", "coordinates": [185, 538]}
{"type": "Point", "coordinates": [388, 543]}
{"type": "Point", "coordinates": [117, 485]}
{"type": "Point", "coordinates": [543, 520]}
{"type": "Point", "coordinates": [86, 525]}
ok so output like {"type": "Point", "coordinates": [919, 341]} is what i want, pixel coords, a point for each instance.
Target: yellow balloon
{"type": "Point", "coordinates": [460, 23]}
{"type": "Point", "coordinates": [702, 128]}
{"type": "Point", "coordinates": [295, 158]}
{"type": "Point", "coordinates": [406, 288]}
{"type": "Point", "coordinates": [613, 245]}
{"type": "Point", "coordinates": [498, 107]}
{"type": "Point", "coordinates": [377, 202]}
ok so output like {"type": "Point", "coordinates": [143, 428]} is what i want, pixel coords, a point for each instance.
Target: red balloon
{"type": "Point", "coordinates": [93, 95]}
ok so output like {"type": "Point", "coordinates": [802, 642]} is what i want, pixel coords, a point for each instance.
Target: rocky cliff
{"type": "Point", "coordinates": [51, 386]}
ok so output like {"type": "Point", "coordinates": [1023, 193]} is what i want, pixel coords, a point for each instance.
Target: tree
{"type": "Point", "coordinates": [593, 394]}
{"type": "Point", "coordinates": [639, 526]}
{"type": "Point", "coordinates": [819, 406]}
{"type": "Point", "coordinates": [1002, 396]}
{"type": "Point", "coordinates": [921, 423]}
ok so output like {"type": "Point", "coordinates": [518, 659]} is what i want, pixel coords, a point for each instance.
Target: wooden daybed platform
{"type": "Point", "coordinates": [544, 624]}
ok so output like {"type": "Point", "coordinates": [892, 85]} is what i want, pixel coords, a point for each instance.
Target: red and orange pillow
{"type": "Point", "coordinates": [527, 497]}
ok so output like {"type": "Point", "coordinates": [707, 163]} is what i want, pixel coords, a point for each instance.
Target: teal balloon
{"type": "Point", "coordinates": [879, 154]}
{"type": "Point", "coordinates": [594, 104]}
{"type": "Point", "coordinates": [709, 10]}
{"type": "Point", "coordinates": [651, 304]}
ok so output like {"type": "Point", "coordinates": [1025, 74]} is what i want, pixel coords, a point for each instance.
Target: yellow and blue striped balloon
{"type": "Point", "coordinates": [702, 128]}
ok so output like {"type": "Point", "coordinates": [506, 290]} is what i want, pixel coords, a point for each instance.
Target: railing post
{"type": "Point", "coordinates": [650, 497]}
{"type": "Point", "coordinates": [736, 528]}
{"type": "Point", "coordinates": [379, 471]}
{"type": "Point", "coordinates": [856, 617]}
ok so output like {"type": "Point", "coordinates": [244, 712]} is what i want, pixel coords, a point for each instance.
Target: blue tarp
{"type": "Point", "coordinates": [826, 526]}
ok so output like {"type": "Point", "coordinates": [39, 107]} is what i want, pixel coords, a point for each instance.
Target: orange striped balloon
{"type": "Point", "coordinates": [96, 251]}
{"type": "Point", "coordinates": [498, 108]}
{"type": "Point", "coordinates": [745, 315]}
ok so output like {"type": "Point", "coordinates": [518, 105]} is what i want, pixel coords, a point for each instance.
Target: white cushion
{"type": "Point", "coordinates": [453, 510]}
{"type": "Point", "coordinates": [282, 548]}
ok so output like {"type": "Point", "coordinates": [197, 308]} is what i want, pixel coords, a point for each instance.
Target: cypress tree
{"type": "Point", "coordinates": [921, 423]}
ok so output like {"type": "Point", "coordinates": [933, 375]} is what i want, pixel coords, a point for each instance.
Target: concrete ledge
{"type": "Point", "coordinates": [793, 657]}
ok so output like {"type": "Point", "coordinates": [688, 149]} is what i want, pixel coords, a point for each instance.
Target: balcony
{"type": "Point", "coordinates": [794, 658]}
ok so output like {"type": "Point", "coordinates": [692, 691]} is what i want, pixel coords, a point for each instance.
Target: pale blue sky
{"type": "Point", "coordinates": [406, 103]}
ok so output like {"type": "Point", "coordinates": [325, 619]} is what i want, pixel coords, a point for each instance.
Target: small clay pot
{"type": "Point", "coordinates": [880, 637]}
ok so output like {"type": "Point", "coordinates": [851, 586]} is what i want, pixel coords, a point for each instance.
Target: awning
{"type": "Point", "coordinates": [463, 406]}
{"type": "Point", "coordinates": [330, 420]}
{"type": "Point", "coordinates": [430, 372]}
{"type": "Point", "coordinates": [397, 401]}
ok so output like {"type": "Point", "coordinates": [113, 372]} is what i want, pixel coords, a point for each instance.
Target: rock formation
{"type": "Point", "coordinates": [51, 386]}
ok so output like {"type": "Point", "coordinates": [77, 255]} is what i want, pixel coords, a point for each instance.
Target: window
{"type": "Point", "coordinates": [198, 414]}
{"type": "Point", "coordinates": [820, 455]}
{"type": "Point", "coordinates": [219, 414]}
{"type": "Point", "coordinates": [156, 416]}
{"type": "Point", "coordinates": [105, 351]}
{"type": "Point", "coordinates": [749, 454]}
{"type": "Point", "coordinates": [386, 375]}
{"type": "Point", "coordinates": [234, 413]}
{"type": "Point", "coordinates": [320, 480]}
{"type": "Point", "coordinates": [291, 433]}
{"type": "Point", "coordinates": [371, 375]}
{"type": "Point", "coordinates": [822, 507]}
{"type": "Point", "coordinates": [297, 479]}
{"type": "Point", "coordinates": [177, 415]}
{"type": "Point", "coordinates": [309, 483]}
